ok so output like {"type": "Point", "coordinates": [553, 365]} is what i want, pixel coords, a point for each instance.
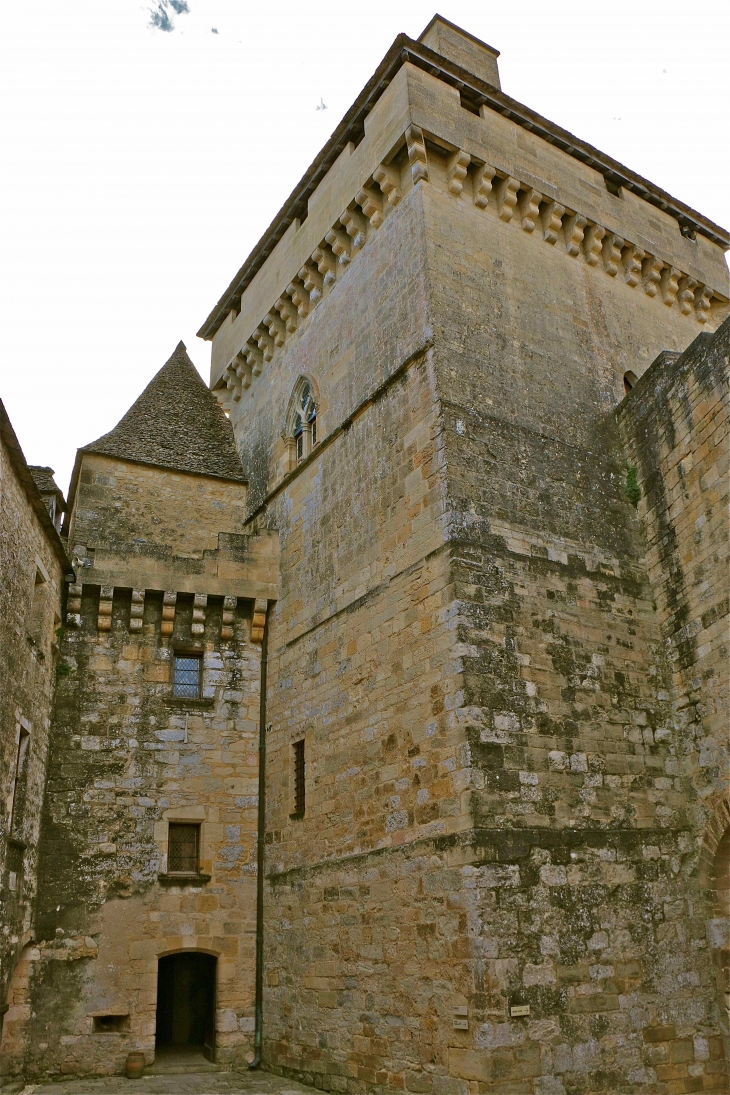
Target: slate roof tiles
{"type": "Point", "coordinates": [176, 423]}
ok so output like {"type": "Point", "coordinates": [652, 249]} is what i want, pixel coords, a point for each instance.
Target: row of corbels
{"type": "Point", "coordinates": [338, 248]}
{"type": "Point", "coordinates": [516, 201]}
{"type": "Point", "coordinates": [511, 199]}
{"type": "Point", "coordinates": [169, 605]}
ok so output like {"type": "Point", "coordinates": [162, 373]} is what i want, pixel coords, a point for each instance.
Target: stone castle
{"type": "Point", "coordinates": [366, 717]}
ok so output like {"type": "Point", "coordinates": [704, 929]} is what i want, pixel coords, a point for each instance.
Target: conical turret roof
{"type": "Point", "coordinates": [176, 423]}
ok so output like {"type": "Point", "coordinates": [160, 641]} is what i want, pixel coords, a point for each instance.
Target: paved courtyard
{"type": "Point", "coordinates": [215, 1083]}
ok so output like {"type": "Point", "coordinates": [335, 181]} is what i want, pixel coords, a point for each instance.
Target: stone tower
{"type": "Point", "coordinates": [454, 563]}
{"type": "Point", "coordinates": [492, 876]}
{"type": "Point", "coordinates": [146, 915]}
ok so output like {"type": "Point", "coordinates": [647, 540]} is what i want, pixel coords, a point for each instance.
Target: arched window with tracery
{"type": "Point", "coordinates": [301, 426]}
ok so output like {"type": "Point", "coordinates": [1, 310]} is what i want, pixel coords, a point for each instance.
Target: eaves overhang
{"type": "Point", "coordinates": [475, 93]}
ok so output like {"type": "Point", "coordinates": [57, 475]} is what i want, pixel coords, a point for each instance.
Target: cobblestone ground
{"type": "Point", "coordinates": [215, 1083]}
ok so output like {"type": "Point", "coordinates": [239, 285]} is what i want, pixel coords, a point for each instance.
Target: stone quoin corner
{"type": "Point", "coordinates": [364, 713]}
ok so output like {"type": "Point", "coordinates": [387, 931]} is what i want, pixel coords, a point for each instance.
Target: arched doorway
{"type": "Point", "coordinates": [186, 1005]}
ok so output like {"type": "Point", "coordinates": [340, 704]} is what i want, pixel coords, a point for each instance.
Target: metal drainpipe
{"type": "Point", "coordinates": [260, 847]}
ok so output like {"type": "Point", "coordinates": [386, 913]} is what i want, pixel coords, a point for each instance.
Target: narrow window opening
{"type": "Point", "coordinates": [20, 783]}
{"type": "Point", "coordinates": [187, 676]}
{"type": "Point", "coordinates": [36, 615]}
{"type": "Point", "coordinates": [629, 381]}
{"type": "Point", "coordinates": [305, 421]}
{"type": "Point", "coordinates": [183, 848]}
{"type": "Point", "coordinates": [613, 187]}
{"type": "Point", "coordinates": [110, 1024]}
{"type": "Point", "coordinates": [299, 779]}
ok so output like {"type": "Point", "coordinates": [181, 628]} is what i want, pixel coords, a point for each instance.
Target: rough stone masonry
{"type": "Point", "coordinates": [454, 561]}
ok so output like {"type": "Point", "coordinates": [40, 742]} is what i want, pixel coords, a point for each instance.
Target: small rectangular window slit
{"type": "Point", "coordinates": [299, 779]}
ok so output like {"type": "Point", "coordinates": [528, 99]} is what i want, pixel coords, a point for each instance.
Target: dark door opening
{"type": "Point", "coordinates": [186, 1001]}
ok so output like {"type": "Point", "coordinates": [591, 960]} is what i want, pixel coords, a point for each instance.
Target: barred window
{"type": "Point", "coordinates": [186, 676]}
{"type": "Point", "coordinates": [299, 779]}
{"type": "Point", "coordinates": [183, 850]}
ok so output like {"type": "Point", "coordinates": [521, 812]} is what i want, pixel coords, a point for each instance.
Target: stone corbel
{"type": "Point", "coordinates": [633, 257]}
{"type": "Point", "coordinates": [259, 621]}
{"type": "Point", "coordinates": [340, 243]}
{"type": "Point", "coordinates": [200, 601]}
{"type": "Point", "coordinates": [264, 341]}
{"type": "Point", "coordinates": [417, 158]}
{"type": "Point", "coordinates": [355, 225]}
{"type": "Point", "coordinates": [669, 285]}
{"type": "Point", "coordinates": [229, 615]}
{"type": "Point", "coordinates": [233, 385]}
{"type": "Point", "coordinates": [254, 357]}
{"type": "Point", "coordinates": [326, 263]}
{"type": "Point", "coordinates": [388, 179]}
{"type": "Point", "coordinates": [312, 281]}
{"type": "Point", "coordinates": [575, 227]}
{"type": "Point", "coordinates": [529, 207]}
{"type": "Point", "coordinates": [507, 197]}
{"type": "Point", "coordinates": [136, 614]}
{"type": "Point", "coordinates": [703, 301]}
{"type": "Point", "coordinates": [371, 204]}
{"type": "Point", "coordinates": [224, 397]}
{"type": "Point", "coordinates": [651, 270]}
{"type": "Point", "coordinates": [299, 297]}
{"type": "Point", "coordinates": [242, 370]}
{"type": "Point", "coordinates": [73, 604]}
{"type": "Point", "coordinates": [104, 618]}
{"type": "Point", "coordinates": [456, 170]}
{"type": "Point", "coordinates": [277, 330]}
{"type": "Point", "coordinates": [483, 185]}
{"type": "Point", "coordinates": [612, 247]}
{"type": "Point", "coordinates": [288, 313]}
{"type": "Point", "coordinates": [552, 220]}
{"type": "Point", "coordinates": [686, 294]}
{"type": "Point", "coordinates": [593, 243]}
{"type": "Point", "coordinates": [169, 601]}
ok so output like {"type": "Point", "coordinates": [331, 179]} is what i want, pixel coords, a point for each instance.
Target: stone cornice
{"type": "Point", "coordinates": [475, 93]}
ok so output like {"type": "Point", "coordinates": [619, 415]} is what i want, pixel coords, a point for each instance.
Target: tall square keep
{"type": "Point", "coordinates": [455, 567]}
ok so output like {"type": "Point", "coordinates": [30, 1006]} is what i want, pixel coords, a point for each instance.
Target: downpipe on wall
{"type": "Point", "coordinates": [260, 847]}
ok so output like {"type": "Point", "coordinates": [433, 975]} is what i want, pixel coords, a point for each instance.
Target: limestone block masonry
{"type": "Point", "coordinates": [164, 570]}
{"type": "Point", "coordinates": [495, 885]}
{"type": "Point", "coordinates": [457, 499]}
{"type": "Point", "coordinates": [33, 569]}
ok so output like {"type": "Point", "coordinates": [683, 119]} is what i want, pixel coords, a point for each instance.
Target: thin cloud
{"type": "Point", "coordinates": [161, 14]}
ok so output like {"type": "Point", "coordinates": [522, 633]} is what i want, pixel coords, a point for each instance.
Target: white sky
{"type": "Point", "coordinates": [140, 167]}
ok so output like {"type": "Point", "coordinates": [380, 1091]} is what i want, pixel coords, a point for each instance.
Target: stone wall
{"type": "Point", "coordinates": [128, 757]}
{"type": "Point", "coordinates": [466, 639]}
{"type": "Point", "coordinates": [675, 422]}
{"type": "Point", "coordinates": [32, 571]}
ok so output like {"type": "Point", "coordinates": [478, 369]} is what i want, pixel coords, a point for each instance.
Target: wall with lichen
{"type": "Point", "coordinates": [31, 590]}
{"type": "Point", "coordinates": [127, 757]}
{"type": "Point", "coordinates": [675, 426]}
